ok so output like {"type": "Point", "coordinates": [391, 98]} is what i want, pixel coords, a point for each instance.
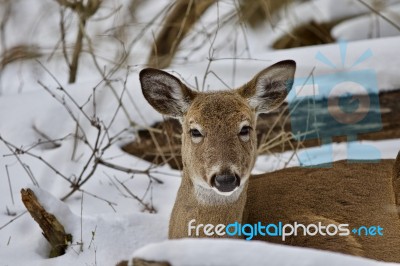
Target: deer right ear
{"type": "Point", "coordinates": [269, 88]}
{"type": "Point", "coordinates": [167, 94]}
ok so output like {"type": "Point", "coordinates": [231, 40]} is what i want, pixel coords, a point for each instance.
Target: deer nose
{"type": "Point", "coordinates": [225, 182]}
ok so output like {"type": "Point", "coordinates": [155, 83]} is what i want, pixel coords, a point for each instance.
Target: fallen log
{"type": "Point", "coordinates": [53, 230]}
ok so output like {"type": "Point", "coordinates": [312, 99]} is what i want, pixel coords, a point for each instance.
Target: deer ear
{"type": "Point", "coordinates": [167, 94]}
{"type": "Point", "coordinates": [269, 88]}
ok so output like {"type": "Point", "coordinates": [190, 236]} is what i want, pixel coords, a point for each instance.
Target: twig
{"type": "Point", "coordinates": [48, 139]}
{"type": "Point", "coordinates": [16, 151]}
{"type": "Point", "coordinates": [81, 244]}
{"type": "Point", "coordinates": [110, 203]}
{"type": "Point", "coordinates": [42, 142]}
{"type": "Point", "coordinates": [129, 170]}
{"type": "Point", "coordinates": [147, 207]}
{"type": "Point", "coordinates": [73, 67]}
{"type": "Point", "coordinates": [380, 14]}
{"type": "Point", "coordinates": [3, 23]}
{"type": "Point", "coordinates": [61, 88]}
{"type": "Point", "coordinates": [93, 235]}
{"type": "Point", "coordinates": [62, 32]}
{"type": "Point", "coordinates": [62, 101]}
{"type": "Point", "coordinates": [105, 76]}
{"type": "Point", "coordinates": [84, 11]}
{"type": "Point", "coordinates": [9, 185]}
{"type": "Point", "coordinates": [75, 146]}
{"type": "Point", "coordinates": [13, 219]}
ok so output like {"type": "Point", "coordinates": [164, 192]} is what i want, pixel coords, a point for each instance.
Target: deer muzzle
{"type": "Point", "coordinates": [226, 182]}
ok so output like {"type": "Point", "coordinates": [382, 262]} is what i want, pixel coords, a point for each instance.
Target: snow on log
{"type": "Point", "coordinates": [53, 230]}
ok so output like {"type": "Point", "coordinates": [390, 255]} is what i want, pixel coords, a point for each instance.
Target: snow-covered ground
{"type": "Point", "coordinates": [109, 223]}
{"type": "Point", "coordinates": [189, 251]}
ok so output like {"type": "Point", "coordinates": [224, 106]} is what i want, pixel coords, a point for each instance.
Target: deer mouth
{"type": "Point", "coordinates": [225, 183]}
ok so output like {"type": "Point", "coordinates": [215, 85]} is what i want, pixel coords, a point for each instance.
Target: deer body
{"type": "Point", "coordinates": [218, 153]}
{"type": "Point", "coordinates": [358, 194]}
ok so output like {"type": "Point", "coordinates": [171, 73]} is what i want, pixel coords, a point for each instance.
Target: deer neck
{"type": "Point", "coordinates": [205, 206]}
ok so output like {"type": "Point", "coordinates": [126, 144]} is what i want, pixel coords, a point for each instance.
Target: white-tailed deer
{"type": "Point", "coordinates": [219, 151]}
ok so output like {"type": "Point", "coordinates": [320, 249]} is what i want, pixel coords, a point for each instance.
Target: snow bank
{"type": "Point", "coordinates": [228, 252]}
{"type": "Point", "coordinates": [369, 26]}
{"type": "Point", "coordinates": [106, 239]}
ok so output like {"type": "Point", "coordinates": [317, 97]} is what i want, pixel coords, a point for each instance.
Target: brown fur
{"type": "Point", "coordinates": [353, 193]}
{"type": "Point", "coordinates": [359, 194]}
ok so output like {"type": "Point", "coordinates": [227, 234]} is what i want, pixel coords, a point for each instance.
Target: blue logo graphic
{"type": "Point", "coordinates": [345, 103]}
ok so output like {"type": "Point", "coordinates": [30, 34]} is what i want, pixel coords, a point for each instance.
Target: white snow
{"type": "Point", "coordinates": [328, 10]}
{"type": "Point", "coordinates": [224, 252]}
{"type": "Point", "coordinates": [369, 26]}
{"type": "Point", "coordinates": [106, 239]}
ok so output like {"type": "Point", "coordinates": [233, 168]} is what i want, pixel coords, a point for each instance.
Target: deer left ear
{"type": "Point", "coordinates": [167, 94]}
{"type": "Point", "coordinates": [269, 88]}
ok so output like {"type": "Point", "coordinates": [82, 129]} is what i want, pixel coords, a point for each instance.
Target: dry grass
{"type": "Point", "coordinates": [19, 53]}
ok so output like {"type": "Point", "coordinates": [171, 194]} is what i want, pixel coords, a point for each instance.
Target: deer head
{"type": "Point", "coordinates": [219, 141]}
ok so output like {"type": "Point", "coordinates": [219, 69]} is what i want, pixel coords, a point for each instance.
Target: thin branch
{"type": "Point", "coordinates": [73, 67]}
{"type": "Point", "coordinates": [63, 42]}
{"type": "Point", "coordinates": [13, 219]}
{"type": "Point", "coordinates": [129, 170]}
{"type": "Point", "coordinates": [18, 151]}
{"type": "Point", "coordinates": [48, 139]}
{"type": "Point", "coordinates": [147, 207]}
{"type": "Point", "coordinates": [9, 185]}
{"type": "Point", "coordinates": [110, 203]}
{"type": "Point", "coordinates": [380, 14]}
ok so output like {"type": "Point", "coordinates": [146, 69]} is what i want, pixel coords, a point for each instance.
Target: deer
{"type": "Point", "coordinates": [219, 149]}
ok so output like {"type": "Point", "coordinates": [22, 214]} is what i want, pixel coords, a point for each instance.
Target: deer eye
{"type": "Point", "coordinates": [245, 131]}
{"type": "Point", "coordinates": [195, 133]}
